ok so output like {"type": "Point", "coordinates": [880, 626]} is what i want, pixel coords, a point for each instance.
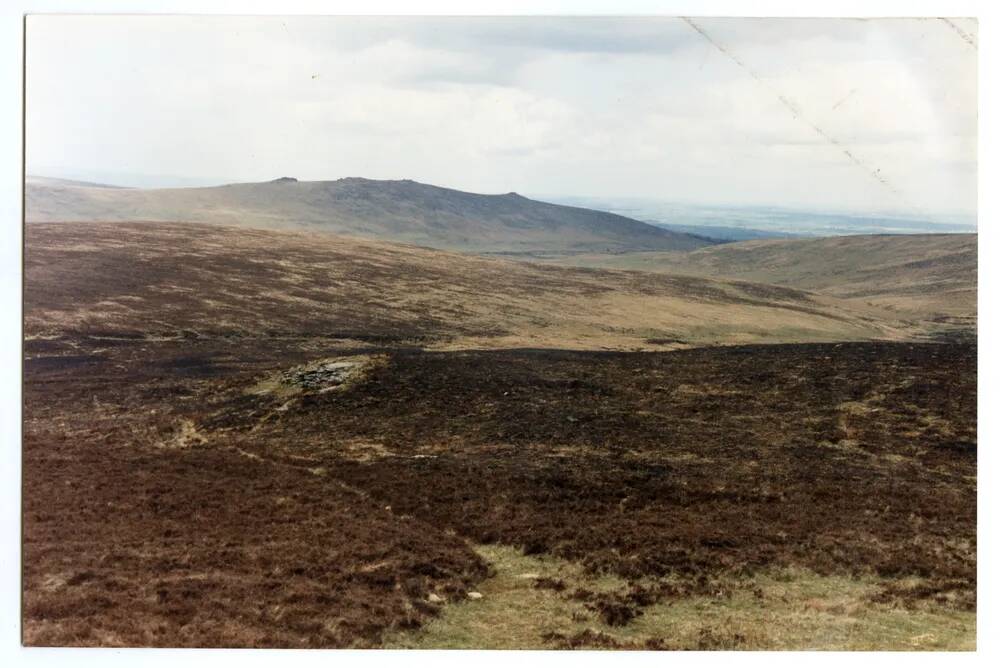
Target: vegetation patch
{"type": "Point", "coordinates": [784, 609]}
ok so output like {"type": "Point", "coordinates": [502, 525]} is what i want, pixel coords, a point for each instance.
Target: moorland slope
{"type": "Point", "coordinates": [921, 275]}
{"type": "Point", "coordinates": [188, 280]}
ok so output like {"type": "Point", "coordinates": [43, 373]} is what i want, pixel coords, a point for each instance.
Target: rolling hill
{"type": "Point", "coordinates": [156, 280]}
{"type": "Point", "coordinates": [921, 275]}
{"type": "Point", "coordinates": [404, 211]}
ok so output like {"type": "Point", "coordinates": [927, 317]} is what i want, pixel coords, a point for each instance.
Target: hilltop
{"type": "Point", "coordinates": [404, 211]}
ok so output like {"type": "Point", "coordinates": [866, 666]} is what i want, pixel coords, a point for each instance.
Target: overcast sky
{"type": "Point", "coordinates": [860, 114]}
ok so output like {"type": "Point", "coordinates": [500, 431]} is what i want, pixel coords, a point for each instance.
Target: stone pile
{"type": "Point", "coordinates": [322, 376]}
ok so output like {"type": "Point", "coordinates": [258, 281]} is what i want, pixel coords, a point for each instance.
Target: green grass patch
{"type": "Point", "coordinates": [795, 610]}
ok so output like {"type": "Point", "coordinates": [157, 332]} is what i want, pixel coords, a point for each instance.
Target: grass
{"type": "Point", "coordinates": [787, 609]}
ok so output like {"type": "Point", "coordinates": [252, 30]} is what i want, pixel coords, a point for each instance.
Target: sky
{"type": "Point", "coordinates": [863, 115]}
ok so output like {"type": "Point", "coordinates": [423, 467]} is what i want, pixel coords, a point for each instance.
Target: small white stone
{"type": "Point", "coordinates": [434, 598]}
{"type": "Point", "coordinates": [474, 595]}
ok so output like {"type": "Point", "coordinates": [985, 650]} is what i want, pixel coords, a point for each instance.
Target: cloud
{"type": "Point", "coordinates": [596, 106]}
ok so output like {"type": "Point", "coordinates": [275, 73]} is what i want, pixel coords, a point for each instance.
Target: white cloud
{"type": "Point", "coordinates": [587, 107]}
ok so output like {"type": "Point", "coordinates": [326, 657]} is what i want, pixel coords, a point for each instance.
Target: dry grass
{"type": "Point", "coordinates": [788, 609]}
{"type": "Point", "coordinates": [916, 275]}
{"type": "Point", "coordinates": [159, 281]}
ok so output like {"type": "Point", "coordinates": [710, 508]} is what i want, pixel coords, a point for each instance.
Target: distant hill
{"type": "Point", "coordinates": [926, 275]}
{"type": "Point", "coordinates": [724, 233]}
{"type": "Point", "coordinates": [114, 281]}
{"type": "Point", "coordinates": [404, 211]}
{"type": "Point", "coordinates": [46, 181]}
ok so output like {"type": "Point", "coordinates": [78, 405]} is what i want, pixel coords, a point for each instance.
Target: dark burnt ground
{"type": "Point", "coordinates": [138, 530]}
{"type": "Point", "coordinates": [170, 500]}
{"type": "Point", "coordinates": [844, 458]}
{"type": "Point", "coordinates": [166, 504]}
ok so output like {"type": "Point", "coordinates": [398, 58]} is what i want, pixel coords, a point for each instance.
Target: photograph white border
{"type": "Point", "coordinates": [11, 165]}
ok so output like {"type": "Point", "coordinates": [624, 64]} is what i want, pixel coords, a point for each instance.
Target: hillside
{"type": "Point", "coordinates": [404, 211]}
{"type": "Point", "coordinates": [921, 275]}
{"type": "Point", "coordinates": [326, 441]}
{"type": "Point", "coordinates": [186, 280]}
